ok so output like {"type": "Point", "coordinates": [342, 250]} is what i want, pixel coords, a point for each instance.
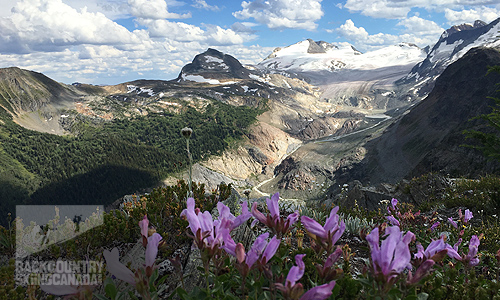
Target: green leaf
{"type": "Point", "coordinates": [110, 288]}
{"type": "Point", "coordinates": [182, 294]}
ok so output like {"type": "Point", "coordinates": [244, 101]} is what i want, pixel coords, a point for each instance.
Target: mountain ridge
{"type": "Point", "coordinates": [429, 136]}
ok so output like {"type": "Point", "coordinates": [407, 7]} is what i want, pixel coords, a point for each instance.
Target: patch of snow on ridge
{"type": "Point", "coordinates": [133, 88]}
{"type": "Point", "coordinates": [210, 59]}
{"type": "Point", "coordinates": [199, 78]}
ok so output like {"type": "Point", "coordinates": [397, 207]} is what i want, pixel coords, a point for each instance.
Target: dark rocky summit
{"type": "Point", "coordinates": [214, 64]}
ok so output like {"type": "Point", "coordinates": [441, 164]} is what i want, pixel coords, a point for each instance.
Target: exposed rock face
{"type": "Point", "coordinates": [319, 127]}
{"type": "Point", "coordinates": [463, 27]}
{"type": "Point", "coordinates": [315, 47]}
{"type": "Point", "coordinates": [266, 146]}
{"type": "Point", "coordinates": [416, 191]}
{"type": "Point", "coordinates": [429, 137]}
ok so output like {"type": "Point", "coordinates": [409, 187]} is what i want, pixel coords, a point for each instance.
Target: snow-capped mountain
{"type": "Point", "coordinates": [308, 55]}
{"type": "Point", "coordinates": [452, 45]}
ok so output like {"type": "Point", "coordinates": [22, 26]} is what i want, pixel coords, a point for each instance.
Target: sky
{"type": "Point", "coordinates": [115, 41]}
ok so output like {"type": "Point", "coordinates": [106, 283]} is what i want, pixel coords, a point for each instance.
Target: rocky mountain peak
{"type": "Point", "coordinates": [213, 64]}
{"type": "Point", "coordinates": [452, 45]}
{"type": "Point", "coordinates": [315, 47]}
{"type": "Point", "coordinates": [464, 27]}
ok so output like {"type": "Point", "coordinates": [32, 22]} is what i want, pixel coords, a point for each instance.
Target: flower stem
{"type": "Point", "coordinates": [190, 169]}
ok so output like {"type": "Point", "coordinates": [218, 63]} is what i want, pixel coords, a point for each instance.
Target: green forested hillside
{"type": "Point", "coordinates": [102, 163]}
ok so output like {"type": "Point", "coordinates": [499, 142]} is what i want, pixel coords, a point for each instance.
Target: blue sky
{"type": "Point", "coordinates": [114, 41]}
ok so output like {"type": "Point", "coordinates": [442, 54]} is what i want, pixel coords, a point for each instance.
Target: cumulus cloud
{"type": "Point", "coordinates": [243, 27]}
{"type": "Point", "coordinates": [351, 32]}
{"type": "Point", "coordinates": [177, 31]}
{"type": "Point", "coordinates": [280, 14]}
{"type": "Point", "coordinates": [395, 9]}
{"type": "Point", "coordinates": [153, 9]}
{"type": "Point", "coordinates": [379, 9]}
{"type": "Point", "coordinates": [51, 25]}
{"type": "Point", "coordinates": [417, 31]}
{"type": "Point", "coordinates": [486, 14]}
{"type": "Point", "coordinates": [202, 4]}
{"type": "Point", "coordinates": [182, 32]}
{"type": "Point", "coordinates": [421, 27]}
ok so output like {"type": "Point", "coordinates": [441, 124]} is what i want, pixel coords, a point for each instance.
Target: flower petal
{"type": "Point", "coordinates": [313, 227]}
{"type": "Point", "coordinates": [243, 217]}
{"type": "Point", "coordinates": [272, 205]}
{"type": "Point", "coordinates": [320, 292]}
{"type": "Point", "coordinates": [402, 255]}
{"type": "Point", "coordinates": [224, 212]}
{"type": "Point", "coordinates": [229, 244]}
{"type": "Point", "coordinates": [191, 216]}
{"type": "Point", "coordinates": [271, 249]}
{"type": "Point", "coordinates": [296, 272]}
{"type": "Point", "coordinates": [152, 249]}
{"type": "Point", "coordinates": [332, 220]}
{"type": "Point", "coordinates": [256, 250]}
{"type": "Point", "coordinates": [257, 214]}
{"type": "Point", "coordinates": [453, 223]}
{"type": "Point", "coordinates": [467, 216]}
{"type": "Point", "coordinates": [332, 258]}
{"type": "Point", "coordinates": [144, 225]}
{"type": "Point", "coordinates": [393, 221]}
{"type": "Point", "coordinates": [373, 241]}
{"type": "Point", "coordinates": [240, 253]}
{"type": "Point", "coordinates": [339, 232]}
{"type": "Point", "coordinates": [292, 218]}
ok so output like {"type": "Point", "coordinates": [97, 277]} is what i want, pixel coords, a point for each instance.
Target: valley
{"type": "Point", "coordinates": [307, 120]}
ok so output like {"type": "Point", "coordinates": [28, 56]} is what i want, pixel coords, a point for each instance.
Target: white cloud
{"type": "Point", "coordinates": [202, 4]}
{"type": "Point", "coordinates": [182, 32]}
{"type": "Point", "coordinates": [220, 36]}
{"type": "Point", "coordinates": [351, 32]}
{"type": "Point", "coordinates": [153, 9]}
{"type": "Point", "coordinates": [486, 14]}
{"type": "Point", "coordinates": [280, 14]}
{"type": "Point", "coordinates": [6, 6]}
{"type": "Point", "coordinates": [421, 27]}
{"type": "Point", "coordinates": [51, 25]}
{"type": "Point", "coordinates": [243, 27]}
{"type": "Point", "coordinates": [69, 44]}
{"type": "Point", "coordinates": [417, 31]}
{"type": "Point", "coordinates": [176, 31]}
{"type": "Point", "coordinates": [395, 9]}
{"type": "Point", "coordinates": [379, 9]}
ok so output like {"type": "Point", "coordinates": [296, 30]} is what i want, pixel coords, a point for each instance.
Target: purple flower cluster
{"type": "Point", "coordinates": [325, 235]}
{"type": "Point", "coordinates": [212, 235]}
{"type": "Point", "coordinates": [293, 290]}
{"type": "Point", "coordinates": [273, 220]}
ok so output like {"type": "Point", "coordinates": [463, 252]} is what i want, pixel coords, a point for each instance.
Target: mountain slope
{"type": "Point", "coordinates": [429, 137]}
{"type": "Point", "coordinates": [34, 100]}
{"type": "Point", "coordinates": [451, 46]}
